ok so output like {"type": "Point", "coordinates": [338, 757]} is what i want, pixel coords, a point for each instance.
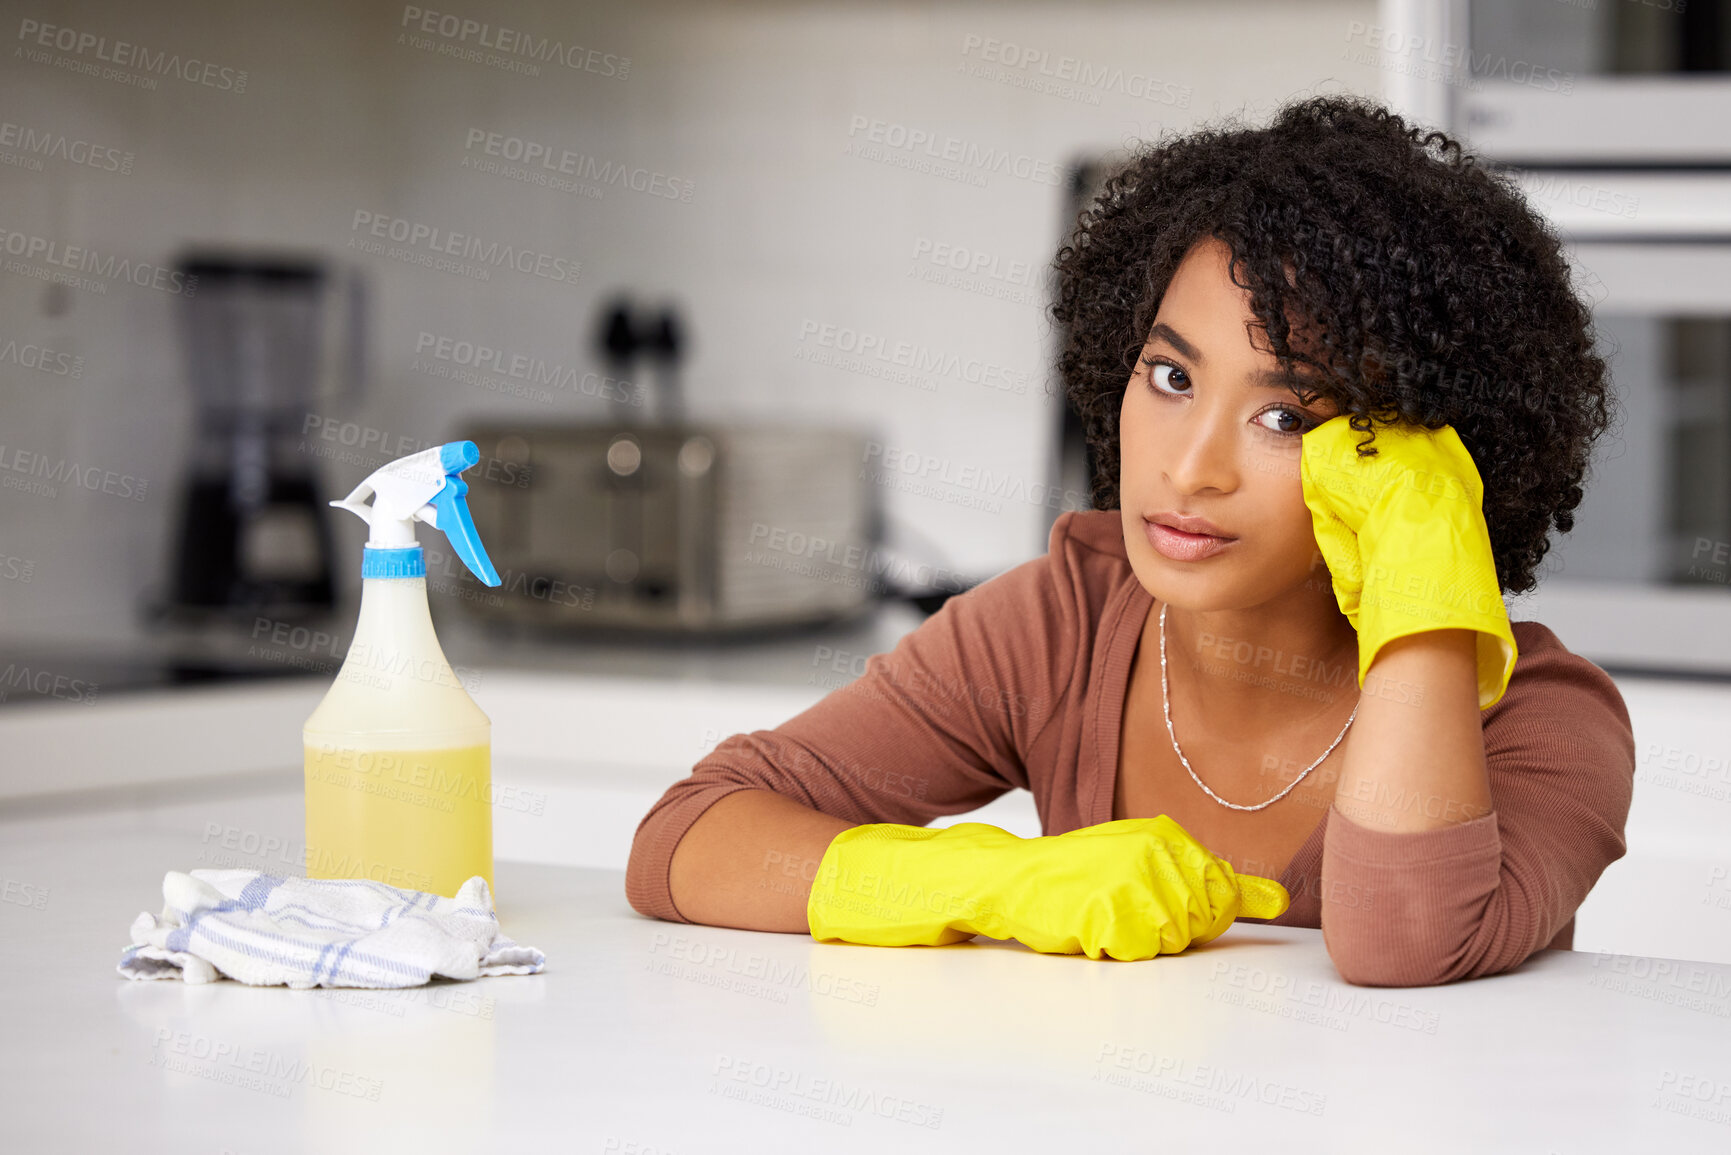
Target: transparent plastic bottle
{"type": "Point", "coordinates": [397, 754]}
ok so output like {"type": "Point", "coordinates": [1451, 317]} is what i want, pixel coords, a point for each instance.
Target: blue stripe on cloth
{"type": "Point", "coordinates": [392, 912]}
{"type": "Point", "coordinates": [182, 934]}
{"type": "Point", "coordinates": [253, 895]}
{"type": "Point", "coordinates": [337, 964]}
{"type": "Point", "coordinates": [250, 948]}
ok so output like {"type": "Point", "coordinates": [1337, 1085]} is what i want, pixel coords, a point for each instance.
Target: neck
{"type": "Point", "coordinates": [1263, 668]}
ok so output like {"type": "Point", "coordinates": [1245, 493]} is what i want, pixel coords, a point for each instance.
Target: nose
{"type": "Point", "coordinates": [1204, 451]}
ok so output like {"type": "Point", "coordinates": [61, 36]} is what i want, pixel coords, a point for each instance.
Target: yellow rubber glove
{"type": "Point", "coordinates": [1130, 889]}
{"type": "Point", "coordinates": [1405, 540]}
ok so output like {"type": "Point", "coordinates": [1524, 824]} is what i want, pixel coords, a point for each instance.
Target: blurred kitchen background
{"type": "Point", "coordinates": [743, 303]}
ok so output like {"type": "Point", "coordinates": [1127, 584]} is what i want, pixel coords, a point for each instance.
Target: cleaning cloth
{"type": "Point", "coordinates": [267, 929]}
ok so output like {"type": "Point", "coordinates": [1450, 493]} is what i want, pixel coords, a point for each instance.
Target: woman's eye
{"type": "Point", "coordinates": [1296, 424]}
{"type": "Point", "coordinates": [1172, 371]}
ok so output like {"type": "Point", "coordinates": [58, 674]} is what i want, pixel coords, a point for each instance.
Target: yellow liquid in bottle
{"type": "Point", "coordinates": [416, 819]}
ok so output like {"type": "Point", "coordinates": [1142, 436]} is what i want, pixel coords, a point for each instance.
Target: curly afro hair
{"type": "Point", "coordinates": [1425, 291]}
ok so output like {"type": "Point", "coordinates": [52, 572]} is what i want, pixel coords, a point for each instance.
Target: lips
{"type": "Point", "coordinates": [1190, 524]}
{"type": "Point", "coordinates": [1178, 544]}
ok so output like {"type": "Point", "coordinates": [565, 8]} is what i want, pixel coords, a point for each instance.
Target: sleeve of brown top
{"type": "Point", "coordinates": [933, 727]}
{"type": "Point", "coordinates": [1479, 897]}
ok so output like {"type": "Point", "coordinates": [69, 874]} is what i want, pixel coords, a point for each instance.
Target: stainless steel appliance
{"type": "Point", "coordinates": [1615, 120]}
{"type": "Point", "coordinates": [674, 527]}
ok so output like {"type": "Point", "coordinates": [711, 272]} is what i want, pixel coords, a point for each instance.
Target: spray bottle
{"type": "Point", "coordinates": [398, 756]}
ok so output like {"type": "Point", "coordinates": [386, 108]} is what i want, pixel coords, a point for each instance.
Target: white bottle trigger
{"type": "Point", "coordinates": [424, 486]}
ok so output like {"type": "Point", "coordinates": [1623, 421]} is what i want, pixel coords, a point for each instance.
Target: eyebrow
{"type": "Point", "coordinates": [1266, 378]}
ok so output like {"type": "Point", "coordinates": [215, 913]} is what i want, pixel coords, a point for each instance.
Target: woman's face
{"type": "Point", "coordinates": [1209, 430]}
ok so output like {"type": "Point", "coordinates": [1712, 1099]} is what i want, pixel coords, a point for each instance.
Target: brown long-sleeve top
{"type": "Point", "coordinates": [1020, 682]}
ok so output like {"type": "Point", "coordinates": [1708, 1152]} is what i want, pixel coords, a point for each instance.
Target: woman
{"type": "Point", "coordinates": [1351, 359]}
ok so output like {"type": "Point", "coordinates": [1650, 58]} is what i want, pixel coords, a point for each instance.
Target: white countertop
{"type": "Point", "coordinates": [649, 1036]}
{"type": "Point", "coordinates": [586, 753]}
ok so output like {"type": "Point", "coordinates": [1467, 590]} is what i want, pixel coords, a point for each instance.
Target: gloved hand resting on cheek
{"type": "Point", "coordinates": [1404, 536]}
{"type": "Point", "coordinates": [1129, 889]}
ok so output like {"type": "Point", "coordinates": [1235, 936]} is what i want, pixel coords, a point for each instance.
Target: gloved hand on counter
{"type": "Point", "coordinates": [1130, 889]}
{"type": "Point", "coordinates": [1404, 535]}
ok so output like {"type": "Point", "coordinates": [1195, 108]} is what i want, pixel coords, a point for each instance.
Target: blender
{"type": "Point", "coordinates": [253, 537]}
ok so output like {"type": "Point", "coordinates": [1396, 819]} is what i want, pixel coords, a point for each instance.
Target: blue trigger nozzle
{"type": "Point", "coordinates": [453, 512]}
{"type": "Point", "coordinates": [456, 456]}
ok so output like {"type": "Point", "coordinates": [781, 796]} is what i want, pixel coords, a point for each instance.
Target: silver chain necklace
{"type": "Point", "coordinates": [1166, 704]}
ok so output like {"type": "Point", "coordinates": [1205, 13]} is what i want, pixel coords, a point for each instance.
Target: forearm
{"type": "Point", "coordinates": [1415, 758]}
{"type": "Point", "coordinates": [1414, 773]}
{"type": "Point", "coordinates": [748, 862]}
